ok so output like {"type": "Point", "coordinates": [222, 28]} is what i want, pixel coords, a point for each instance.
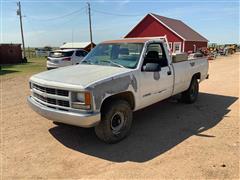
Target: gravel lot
{"type": "Point", "coordinates": [168, 139]}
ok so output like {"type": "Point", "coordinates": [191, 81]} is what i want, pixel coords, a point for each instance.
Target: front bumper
{"type": "Point", "coordinates": [72, 118]}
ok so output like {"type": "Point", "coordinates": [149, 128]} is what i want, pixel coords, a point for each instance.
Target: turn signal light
{"type": "Point", "coordinates": [87, 98]}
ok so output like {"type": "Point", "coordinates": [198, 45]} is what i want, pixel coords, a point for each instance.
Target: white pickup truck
{"type": "Point", "coordinates": [116, 78]}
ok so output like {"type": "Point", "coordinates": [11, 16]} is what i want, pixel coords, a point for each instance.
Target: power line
{"type": "Point", "coordinates": [116, 14]}
{"type": "Point", "coordinates": [35, 31]}
{"type": "Point", "coordinates": [58, 17]}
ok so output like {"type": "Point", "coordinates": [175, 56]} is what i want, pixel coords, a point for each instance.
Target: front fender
{"type": "Point", "coordinates": [112, 87]}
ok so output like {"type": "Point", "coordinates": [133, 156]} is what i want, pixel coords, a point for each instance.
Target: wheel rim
{"type": "Point", "coordinates": [117, 122]}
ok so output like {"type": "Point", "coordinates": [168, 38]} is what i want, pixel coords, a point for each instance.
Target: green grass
{"type": "Point", "coordinates": [34, 65]}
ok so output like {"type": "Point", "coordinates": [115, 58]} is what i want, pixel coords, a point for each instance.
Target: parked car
{"type": "Point", "coordinates": [114, 79]}
{"type": "Point", "coordinates": [66, 57]}
{"type": "Point", "coordinates": [42, 52]}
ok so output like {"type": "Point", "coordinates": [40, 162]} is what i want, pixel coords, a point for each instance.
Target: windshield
{"type": "Point", "coordinates": [57, 54]}
{"type": "Point", "coordinates": [115, 54]}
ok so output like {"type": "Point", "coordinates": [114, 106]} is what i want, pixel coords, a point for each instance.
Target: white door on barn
{"type": "Point", "coordinates": [177, 47]}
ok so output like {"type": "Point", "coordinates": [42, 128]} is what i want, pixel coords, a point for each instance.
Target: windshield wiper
{"type": "Point", "coordinates": [119, 65]}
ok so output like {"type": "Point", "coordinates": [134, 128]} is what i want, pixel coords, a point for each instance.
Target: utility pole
{"type": "Point", "coordinates": [90, 24]}
{"type": "Point", "coordinates": [19, 13]}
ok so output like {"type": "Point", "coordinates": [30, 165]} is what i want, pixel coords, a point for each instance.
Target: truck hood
{"type": "Point", "coordinates": [80, 76]}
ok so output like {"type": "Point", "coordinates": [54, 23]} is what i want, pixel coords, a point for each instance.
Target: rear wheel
{"type": "Point", "coordinates": [191, 94]}
{"type": "Point", "coordinates": [116, 121]}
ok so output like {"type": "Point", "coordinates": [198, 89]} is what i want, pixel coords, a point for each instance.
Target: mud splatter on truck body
{"type": "Point", "coordinates": [111, 87]}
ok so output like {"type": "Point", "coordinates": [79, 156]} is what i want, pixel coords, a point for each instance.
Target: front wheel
{"type": "Point", "coordinates": [116, 121]}
{"type": "Point", "coordinates": [190, 95]}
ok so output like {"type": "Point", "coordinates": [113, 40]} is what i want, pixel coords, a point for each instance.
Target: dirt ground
{"type": "Point", "coordinates": [168, 139]}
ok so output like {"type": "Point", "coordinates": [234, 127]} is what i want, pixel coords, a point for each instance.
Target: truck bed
{"type": "Point", "coordinates": [184, 69]}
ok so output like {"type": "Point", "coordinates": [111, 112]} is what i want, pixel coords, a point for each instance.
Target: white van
{"type": "Point", "coordinates": [66, 57]}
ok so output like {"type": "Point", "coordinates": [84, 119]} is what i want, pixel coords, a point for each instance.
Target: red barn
{"type": "Point", "coordinates": [180, 36]}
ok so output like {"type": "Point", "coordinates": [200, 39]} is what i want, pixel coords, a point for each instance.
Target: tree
{"type": "Point", "coordinates": [47, 48]}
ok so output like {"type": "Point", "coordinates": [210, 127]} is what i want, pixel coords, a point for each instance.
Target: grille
{"type": "Point", "coordinates": [51, 90]}
{"type": "Point", "coordinates": [50, 97]}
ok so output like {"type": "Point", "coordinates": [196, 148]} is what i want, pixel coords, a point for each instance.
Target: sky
{"type": "Point", "coordinates": [52, 22]}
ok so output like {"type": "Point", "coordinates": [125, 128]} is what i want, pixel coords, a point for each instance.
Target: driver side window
{"type": "Point", "coordinates": [155, 54]}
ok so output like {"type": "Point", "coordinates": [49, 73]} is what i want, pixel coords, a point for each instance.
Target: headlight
{"type": "Point", "coordinates": [81, 100]}
{"type": "Point", "coordinates": [81, 97]}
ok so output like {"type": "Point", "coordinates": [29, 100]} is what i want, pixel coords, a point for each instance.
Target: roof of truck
{"type": "Point", "coordinates": [131, 40]}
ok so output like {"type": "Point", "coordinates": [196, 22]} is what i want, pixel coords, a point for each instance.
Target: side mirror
{"type": "Point", "coordinates": [151, 67]}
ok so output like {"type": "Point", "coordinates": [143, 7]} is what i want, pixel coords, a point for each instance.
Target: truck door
{"type": "Point", "coordinates": [158, 84]}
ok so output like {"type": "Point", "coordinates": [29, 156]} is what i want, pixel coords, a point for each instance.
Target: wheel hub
{"type": "Point", "coordinates": [117, 122]}
{"type": "Point", "coordinates": [193, 91]}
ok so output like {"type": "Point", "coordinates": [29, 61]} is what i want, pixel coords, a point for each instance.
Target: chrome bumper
{"type": "Point", "coordinates": [72, 118]}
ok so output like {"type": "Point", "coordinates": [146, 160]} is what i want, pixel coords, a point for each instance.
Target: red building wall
{"type": "Point", "coordinates": [150, 27]}
{"type": "Point", "coordinates": [88, 48]}
{"type": "Point", "coordinates": [189, 45]}
{"type": "Point", "coordinates": [10, 53]}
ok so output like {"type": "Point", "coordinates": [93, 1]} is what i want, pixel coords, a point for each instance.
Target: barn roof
{"type": "Point", "coordinates": [179, 28]}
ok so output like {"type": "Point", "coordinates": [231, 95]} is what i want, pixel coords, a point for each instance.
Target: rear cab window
{"type": "Point", "coordinates": [81, 53]}
{"type": "Point", "coordinates": [158, 48]}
